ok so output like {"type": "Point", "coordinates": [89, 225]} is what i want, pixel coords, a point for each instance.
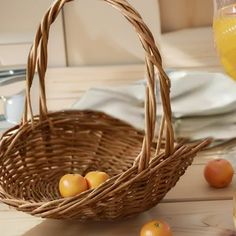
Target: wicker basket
{"type": "Point", "coordinates": [38, 151]}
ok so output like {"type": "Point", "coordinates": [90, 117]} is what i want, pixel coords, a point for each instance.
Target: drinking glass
{"type": "Point", "coordinates": [224, 26]}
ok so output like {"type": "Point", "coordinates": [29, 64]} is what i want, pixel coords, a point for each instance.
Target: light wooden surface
{"type": "Point", "coordinates": [206, 218]}
{"type": "Point", "coordinates": [191, 207]}
{"type": "Point", "coordinates": [192, 47]}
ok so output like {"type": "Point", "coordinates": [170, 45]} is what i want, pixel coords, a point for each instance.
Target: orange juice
{"type": "Point", "coordinates": [225, 38]}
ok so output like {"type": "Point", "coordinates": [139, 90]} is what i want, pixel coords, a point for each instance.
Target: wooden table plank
{"type": "Point", "coordinates": [209, 218]}
{"type": "Point", "coordinates": [193, 187]}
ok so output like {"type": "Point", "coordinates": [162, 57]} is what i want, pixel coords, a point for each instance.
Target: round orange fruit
{"type": "Point", "coordinates": [218, 173]}
{"type": "Point", "coordinates": [156, 228]}
{"type": "Point", "coordinates": [96, 178]}
{"type": "Point", "coordinates": [72, 184]}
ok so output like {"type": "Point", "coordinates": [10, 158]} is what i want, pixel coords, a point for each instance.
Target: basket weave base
{"type": "Point", "coordinates": [78, 142]}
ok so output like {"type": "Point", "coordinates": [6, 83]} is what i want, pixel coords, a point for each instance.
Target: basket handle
{"type": "Point", "coordinates": [38, 60]}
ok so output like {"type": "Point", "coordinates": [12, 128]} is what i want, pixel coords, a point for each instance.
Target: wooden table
{"type": "Point", "coordinates": [191, 208]}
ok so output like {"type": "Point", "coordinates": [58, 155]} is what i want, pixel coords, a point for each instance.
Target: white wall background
{"type": "Point", "coordinates": [98, 34]}
{"type": "Point", "coordinates": [89, 32]}
{"type": "Point", "coordinates": [18, 22]}
{"type": "Point", "coordinates": [95, 33]}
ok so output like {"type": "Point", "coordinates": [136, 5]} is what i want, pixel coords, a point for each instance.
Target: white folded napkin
{"type": "Point", "coordinates": [219, 127]}
{"type": "Point", "coordinates": [203, 104]}
{"type": "Point", "coordinates": [125, 103]}
{"type": "Point", "coordinates": [204, 94]}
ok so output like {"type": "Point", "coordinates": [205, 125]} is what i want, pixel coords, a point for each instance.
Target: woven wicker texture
{"type": "Point", "coordinates": [37, 152]}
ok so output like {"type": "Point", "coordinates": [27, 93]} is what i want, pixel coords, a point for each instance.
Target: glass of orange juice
{"type": "Point", "coordinates": [224, 26]}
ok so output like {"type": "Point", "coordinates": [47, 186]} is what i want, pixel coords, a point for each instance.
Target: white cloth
{"type": "Point", "coordinates": [203, 104]}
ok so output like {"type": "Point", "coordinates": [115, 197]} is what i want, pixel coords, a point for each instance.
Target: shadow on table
{"type": "Point", "coordinates": [74, 228]}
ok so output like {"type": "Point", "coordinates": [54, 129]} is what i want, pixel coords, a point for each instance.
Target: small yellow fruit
{"type": "Point", "coordinates": [72, 184]}
{"type": "Point", "coordinates": [156, 228]}
{"type": "Point", "coordinates": [96, 178]}
{"type": "Point", "coordinates": [219, 173]}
